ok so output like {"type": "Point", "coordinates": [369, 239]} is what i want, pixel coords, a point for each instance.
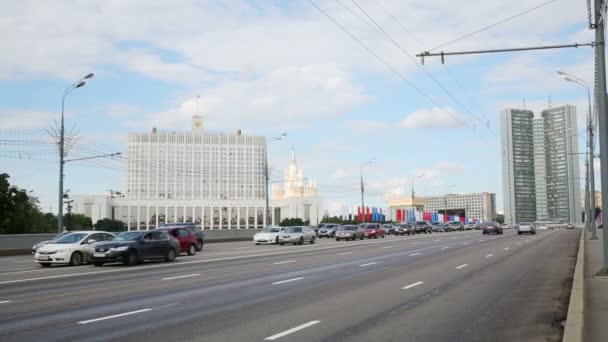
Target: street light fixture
{"type": "Point", "coordinates": [80, 83]}
{"type": "Point", "coordinates": [371, 160]}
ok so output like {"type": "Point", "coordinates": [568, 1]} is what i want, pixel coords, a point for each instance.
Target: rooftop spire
{"type": "Point", "coordinates": [293, 153]}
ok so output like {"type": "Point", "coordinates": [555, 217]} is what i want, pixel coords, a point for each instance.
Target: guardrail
{"type": "Point", "coordinates": [575, 321]}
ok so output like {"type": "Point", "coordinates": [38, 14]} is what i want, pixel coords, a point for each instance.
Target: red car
{"type": "Point", "coordinates": [187, 240]}
{"type": "Point", "coordinates": [373, 230]}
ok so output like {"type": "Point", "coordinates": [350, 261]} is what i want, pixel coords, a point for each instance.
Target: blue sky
{"type": "Point", "coordinates": [269, 67]}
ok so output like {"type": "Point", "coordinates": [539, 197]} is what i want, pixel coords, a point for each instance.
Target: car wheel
{"type": "Point", "coordinates": [534, 233]}
{"type": "Point", "coordinates": [383, 236]}
{"type": "Point", "coordinates": [257, 244]}
{"type": "Point", "coordinates": [337, 239]}
{"type": "Point", "coordinates": [276, 240]}
{"type": "Point", "coordinates": [199, 245]}
{"type": "Point", "coordinates": [282, 244]}
{"type": "Point", "coordinates": [76, 259]}
{"type": "Point", "coordinates": [312, 241]}
{"type": "Point", "coordinates": [98, 264]}
{"type": "Point", "coordinates": [131, 258]}
{"type": "Point", "coordinates": [170, 255]}
{"type": "Point", "coordinates": [361, 238]}
{"type": "Point", "coordinates": [45, 264]}
{"type": "Point", "coordinates": [192, 250]}
{"type": "Point", "coordinates": [301, 242]}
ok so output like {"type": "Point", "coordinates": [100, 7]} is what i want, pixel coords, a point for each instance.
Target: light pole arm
{"type": "Point", "coordinates": [94, 157]}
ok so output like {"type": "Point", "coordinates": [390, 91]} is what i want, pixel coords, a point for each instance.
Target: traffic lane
{"type": "Point", "coordinates": [252, 298]}
{"type": "Point", "coordinates": [59, 271]}
{"type": "Point", "coordinates": [347, 302]}
{"type": "Point", "coordinates": [52, 291]}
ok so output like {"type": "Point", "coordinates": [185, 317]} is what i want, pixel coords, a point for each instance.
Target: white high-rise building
{"type": "Point", "coordinates": [517, 147]}
{"type": "Point", "coordinates": [474, 206]}
{"type": "Point", "coordinates": [562, 161]}
{"type": "Point", "coordinates": [540, 169]}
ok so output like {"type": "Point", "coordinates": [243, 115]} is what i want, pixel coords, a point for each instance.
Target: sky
{"type": "Point", "coordinates": [272, 67]}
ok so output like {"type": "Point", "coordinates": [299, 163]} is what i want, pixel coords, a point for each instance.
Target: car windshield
{"type": "Point", "coordinates": [128, 236]}
{"type": "Point", "coordinates": [420, 222]}
{"type": "Point", "coordinates": [525, 224]}
{"type": "Point", "coordinates": [71, 238]}
{"type": "Point", "coordinates": [271, 230]}
{"type": "Point", "coordinates": [349, 228]}
{"type": "Point", "coordinates": [293, 230]}
{"type": "Point", "coordinates": [492, 224]}
{"type": "Point", "coordinates": [59, 236]}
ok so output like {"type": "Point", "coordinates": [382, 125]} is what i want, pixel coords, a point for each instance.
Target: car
{"type": "Point", "coordinates": [404, 228]}
{"type": "Point", "coordinates": [136, 246]}
{"type": "Point", "coordinates": [350, 232]}
{"type": "Point", "coordinates": [389, 229]}
{"type": "Point", "coordinates": [526, 228]}
{"type": "Point", "coordinates": [456, 225]}
{"type": "Point", "coordinates": [442, 227]}
{"type": "Point", "coordinates": [188, 241]}
{"type": "Point", "coordinates": [477, 226]}
{"type": "Point", "coordinates": [192, 228]}
{"type": "Point", "coordinates": [570, 226]}
{"type": "Point", "coordinates": [268, 235]}
{"type": "Point", "coordinates": [470, 226]}
{"type": "Point", "coordinates": [373, 230]}
{"type": "Point", "coordinates": [423, 227]}
{"type": "Point", "coordinates": [297, 235]}
{"type": "Point", "coordinates": [46, 242]}
{"type": "Point", "coordinates": [328, 230]}
{"type": "Point", "coordinates": [75, 248]}
{"type": "Point", "coordinates": [491, 228]}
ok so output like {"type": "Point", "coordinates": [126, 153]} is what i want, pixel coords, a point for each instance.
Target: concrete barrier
{"type": "Point", "coordinates": [574, 327]}
{"type": "Point", "coordinates": [16, 244]}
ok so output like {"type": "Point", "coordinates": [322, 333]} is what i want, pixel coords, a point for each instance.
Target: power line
{"type": "Point", "coordinates": [492, 25]}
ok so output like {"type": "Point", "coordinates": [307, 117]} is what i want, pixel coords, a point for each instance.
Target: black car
{"type": "Point", "coordinates": [404, 229]}
{"type": "Point", "coordinates": [390, 229]}
{"type": "Point", "coordinates": [136, 246]}
{"type": "Point", "coordinates": [457, 225]}
{"type": "Point", "coordinates": [422, 227]}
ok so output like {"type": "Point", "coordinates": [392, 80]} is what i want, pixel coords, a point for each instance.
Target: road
{"type": "Point", "coordinates": [461, 286]}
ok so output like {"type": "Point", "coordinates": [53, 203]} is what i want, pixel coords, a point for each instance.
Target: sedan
{"type": "Point", "coordinates": [389, 229]}
{"type": "Point", "coordinates": [268, 235]}
{"type": "Point", "coordinates": [297, 235]}
{"type": "Point", "coordinates": [526, 228]}
{"type": "Point", "coordinates": [350, 232]}
{"type": "Point", "coordinates": [404, 229]}
{"type": "Point", "coordinates": [46, 242]}
{"type": "Point", "coordinates": [133, 247]}
{"type": "Point", "coordinates": [491, 228]}
{"type": "Point", "coordinates": [373, 231]}
{"type": "Point", "coordinates": [75, 248]}
{"type": "Point", "coordinates": [442, 227]}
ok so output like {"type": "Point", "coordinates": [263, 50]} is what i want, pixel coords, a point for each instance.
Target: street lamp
{"type": "Point", "coordinates": [590, 176]}
{"type": "Point", "coordinates": [371, 160]}
{"type": "Point", "coordinates": [80, 83]}
{"type": "Point", "coordinates": [267, 205]}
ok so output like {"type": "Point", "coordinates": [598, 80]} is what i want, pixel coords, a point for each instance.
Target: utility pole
{"type": "Point", "coordinates": [69, 207]}
{"type": "Point", "coordinates": [363, 189]}
{"type": "Point", "coordinates": [600, 57]}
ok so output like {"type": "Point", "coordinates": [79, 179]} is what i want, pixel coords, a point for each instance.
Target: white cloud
{"type": "Point", "coordinates": [436, 117]}
{"type": "Point", "coordinates": [339, 173]}
{"type": "Point", "coordinates": [26, 119]}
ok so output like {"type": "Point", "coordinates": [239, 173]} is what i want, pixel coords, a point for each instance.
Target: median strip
{"type": "Point", "coordinates": [291, 331]}
{"type": "Point", "coordinates": [412, 285]}
{"type": "Point", "coordinates": [462, 266]}
{"type": "Point", "coordinates": [114, 316]}
{"type": "Point", "coordinates": [286, 281]}
{"type": "Point", "coordinates": [368, 264]}
{"type": "Point", "coordinates": [183, 276]}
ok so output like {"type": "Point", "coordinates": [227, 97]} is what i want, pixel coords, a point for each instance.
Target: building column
{"type": "Point", "coordinates": [264, 219]}
{"type": "Point", "coordinates": [211, 217]}
{"type": "Point", "coordinates": [138, 218]}
{"type": "Point", "coordinates": [156, 217]}
{"type": "Point", "coordinates": [129, 217]}
{"type": "Point", "coordinates": [221, 217]}
{"type": "Point", "coordinates": [247, 217]}
{"type": "Point", "coordinates": [238, 217]}
{"type": "Point", "coordinates": [147, 217]}
{"type": "Point", "coordinates": [175, 214]}
{"type": "Point", "coordinates": [166, 214]}
{"type": "Point", "coordinates": [229, 217]}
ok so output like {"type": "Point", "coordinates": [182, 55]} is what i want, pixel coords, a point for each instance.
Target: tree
{"type": "Point", "coordinates": [289, 222]}
{"type": "Point", "coordinates": [77, 221]}
{"type": "Point", "coordinates": [500, 218]}
{"type": "Point", "coordinates": [110, 225]}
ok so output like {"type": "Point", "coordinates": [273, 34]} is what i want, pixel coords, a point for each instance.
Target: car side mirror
{"type": "Point", "coordinates": [92, 241]}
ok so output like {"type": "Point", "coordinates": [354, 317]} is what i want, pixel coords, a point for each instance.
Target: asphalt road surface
{"type": "Point", "coordinates": [461, 286]}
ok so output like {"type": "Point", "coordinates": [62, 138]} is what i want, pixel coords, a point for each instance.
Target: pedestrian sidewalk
{"type": "Point", "coordinates": [596, 291]}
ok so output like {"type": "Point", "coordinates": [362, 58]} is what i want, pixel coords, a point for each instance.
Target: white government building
{"type": "Point", "coordinates": [214, 179]}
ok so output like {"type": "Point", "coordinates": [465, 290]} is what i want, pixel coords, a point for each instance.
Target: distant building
{"type": "Point", "coordinates": [476, 205]}
{"type": "Point", "coordinates": [540, 169]}
{"type": "Point", "coordinates": [517, 147]}
{"type": "Point", "coordinates": [296, 196]}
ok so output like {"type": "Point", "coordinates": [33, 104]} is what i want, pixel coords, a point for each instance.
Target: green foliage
{"type": "Point", "coordinates": [289, 222]}
{"type": "Point", "coordinates": [19, 212]}
{"type": "Point", "coordinates": [110, 225]}
{"type": "Point", "coordinates": [500, 218]}
{"type": "Point", "coordinates": [77, 222]}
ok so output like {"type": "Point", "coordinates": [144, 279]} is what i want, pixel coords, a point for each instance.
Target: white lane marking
{"type": "Point", "coordinates": [412, 285]}
{"type": "Point", "coordinates": [437, 240]}
{"type": "Point", "coordinates": [465, 243]}
{"type": "Point", "coordinates": [416, 243]}
{"type": "Point", "coordinates": [489, 255]}
{"type": "Point", "coordinates": [291, 331]}
{"type": "Point", "coordinates": [527, 241]}
{"type": "Point", "coordinates": [345, 253]}
{"type": "Point", "coordinates": [286, 281]}
{"type": "Point", "coordinates": [284, 262]}
{"type": "Point", "coordinates": [482, 240]}
{"type": "Point", "coordinates": [415, 254]}
{"type": "Point", "coordinates": [453, 237]}
{"type": "Point", "coordinates": [519, 243]}
{"type": "Point", "coordinates": [462, 266]}
{"type": "Point", "coordinates": [5, 301]}
{"type": "Point", "coordinates": [245, 247]}
{"type": "Point", "coordinates": [183, 276]}
{"type": "Point", "coordinates": [114, 316]}
{"type": "Point", "coordinates": [446, 247]}
{"type": "Point", "coordinates": [507, 248]}
{"type": "Point", "coordinates": [369, 263]}
{"type": "Point", "coordinates": [387, 247]}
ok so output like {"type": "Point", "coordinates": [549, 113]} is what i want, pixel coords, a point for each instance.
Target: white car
{"type": "Point", "coordinates": [268, 235]}
{"type": "Point", "coordinates": [526, 228]}
{"type": "Point", "coordinates": [75, 248]}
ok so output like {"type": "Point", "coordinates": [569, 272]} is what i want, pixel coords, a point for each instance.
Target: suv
{"type": "Point", "coordinates": [188, 241]}
{"type": "Point", "coordinates": [422, 227]}
{"type": "Point", "coordinates": [328, 230]}
{"type": "Point", "coordinates": [373, 230]}
{"type": "Point", "coordinates": [456, 225]}
{"type": "Point", "coordinates": [403, 229]}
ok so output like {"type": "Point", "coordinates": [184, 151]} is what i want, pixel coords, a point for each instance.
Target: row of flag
{"type": "Point", "coordinates": [405, 215]}
{"type": "Point", "coordinates": [371, 214]}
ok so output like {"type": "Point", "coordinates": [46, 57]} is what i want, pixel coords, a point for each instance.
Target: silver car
{"type": "Point", "coordinates": [297, 235]}
{"type": "Point", "coordinates": [526, 228]}
{"type": "Point", "coordinates": [328, 230]}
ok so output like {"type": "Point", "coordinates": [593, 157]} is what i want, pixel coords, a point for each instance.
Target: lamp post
{"type": "Point", "coordinates": [267, 205]}
{"type": "Point", "coordinates": [590, 177]}
{"type": "Point", "coordinates": [67, 91]}
{"type": "Point", "coordinates": [371, 160]}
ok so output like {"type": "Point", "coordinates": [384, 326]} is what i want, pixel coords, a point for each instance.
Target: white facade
{"type": "Point", "coordinates": [211, 178]}
{"type": "Point", "coordinates": [478, 205]}
{"type": "Point", "coordinates": [540, 170]}
{"type": "Point", "coordinates": [296, 197]}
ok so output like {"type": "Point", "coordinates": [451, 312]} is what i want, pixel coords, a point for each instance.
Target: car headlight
{"type": "Point", "coordinates": [121, 248]}
{"type": "Point", "coordinates": [61, 250]}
